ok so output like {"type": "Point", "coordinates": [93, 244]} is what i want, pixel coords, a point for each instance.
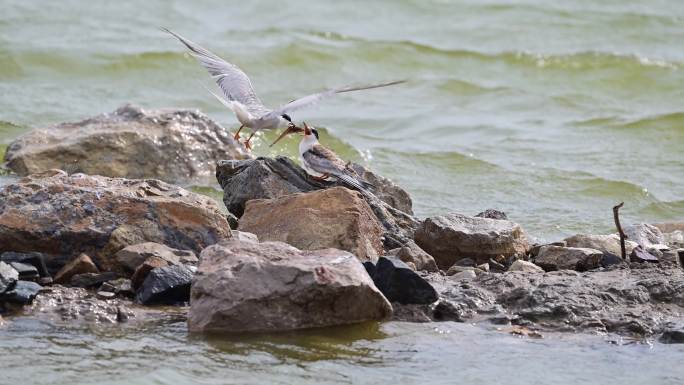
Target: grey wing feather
{"type": "Point", "coordinates": [234, 83]}
{"type": "Point", "coordinates": [325, 161]}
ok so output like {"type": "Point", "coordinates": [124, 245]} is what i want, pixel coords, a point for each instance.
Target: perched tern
{"type": "Point", "coordinates": [321, 162]}
{"type": "Point", "coordinates": [243, 101]}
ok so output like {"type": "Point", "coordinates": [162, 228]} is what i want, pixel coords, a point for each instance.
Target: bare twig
{"type": "Point", "coordinates": [623, 236]}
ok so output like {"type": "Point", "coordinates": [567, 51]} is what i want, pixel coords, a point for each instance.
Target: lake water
{"type": "Point", "coordinates": [552, 111]}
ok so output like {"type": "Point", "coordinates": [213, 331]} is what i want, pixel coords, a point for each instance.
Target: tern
{"type": "Point", "coordinates": [321, 162]}
{"type": "Point", "coordinates": [243, 101]}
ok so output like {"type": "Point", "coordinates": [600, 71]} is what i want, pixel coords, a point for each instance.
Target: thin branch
{"type": "Point", "coordinates": [623, 236]}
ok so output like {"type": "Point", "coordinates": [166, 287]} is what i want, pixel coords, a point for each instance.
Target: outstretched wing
{"type": "Point", "coordinates": [232, 80]}
{"type": "Point", "coordinates": [312, 99]}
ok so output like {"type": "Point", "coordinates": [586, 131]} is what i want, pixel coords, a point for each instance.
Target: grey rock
{"type": "Point", "coordinates": [492, 214]}
{"type": "Point", "coordinates": [640, 255]}
{"type": "Point", "coordinates": [121, 286]}
{"type": "Point", "coordinates": [166, 286]}
{"type": "Point", "coordinates": [92, 280]}
{"type": "Point", "coordinates": [398, 283]}
{"type": "Point", "coordinates": [452, 237]}
{"type": "Point", "coordinates": [26, 272]}
{"type": "Point", "coordinates": [131, 257]}
{"type": "Point", "coordinates": [606, 243]}
{"type": "Point", "coordinates": [411, 252]}
{"type": "Point", "coordinates": [34, 259]}
{"type": "Point", "coordinates": [465, 274]}
{"type": "Point", "coordinates": [672, 337]}
{"type": "Point", "coordinates": [568, 258]}
{"type": "Point", "coordinates": [8, 277]}
{"type": "Point", "coordinates": [385, 189]}
{"type": "Point", "coordinates": [644, 234]}
{"type": "Point", "coordinates": [525, 266]}
{"type": "Point", "coordinates": [22, 293]}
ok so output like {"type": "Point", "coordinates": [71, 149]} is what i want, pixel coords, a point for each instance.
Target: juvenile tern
{"type": "Point", "coordinates": [321, 162]}
{"type": "Point", "coordinates": [243, 101]}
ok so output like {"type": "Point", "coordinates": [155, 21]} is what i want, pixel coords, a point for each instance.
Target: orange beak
{"type": "Point", "coordinates": [290, 130]}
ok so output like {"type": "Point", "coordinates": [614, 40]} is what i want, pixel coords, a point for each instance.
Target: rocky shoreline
{"type": "Point", "coordinates": [95, 233]}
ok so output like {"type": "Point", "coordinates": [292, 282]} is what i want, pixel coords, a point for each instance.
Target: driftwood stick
{"type": "Point", "coordinates": [623, 236]}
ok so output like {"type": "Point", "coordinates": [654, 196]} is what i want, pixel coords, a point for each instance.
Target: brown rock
{"type": "Point", "coordinates": [568, 258]}
{"type": "Point", "coordinates": [412, 254]}
{"type": "Point", "coordinates": [247, 286]}
{"type": "Point", "coordinates": [56, 213]}
{"type": "Point", "coordinates": [144, 268]}
{"type": "Point", "coordinates": [335, 217]}
{"type": "Point", "coordinates": [176, 146]}
{"type": "Point", "coordinates": [133, 256]}
{"type": "Point", "coordinates": [80, 265]}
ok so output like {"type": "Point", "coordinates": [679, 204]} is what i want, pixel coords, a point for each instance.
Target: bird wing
{"type": "Point", "coordinates": [232, 80]}
{"type": "Point", "coordinates": [325, 161]}
{"type": "Point", "coordinates": [312, 99]}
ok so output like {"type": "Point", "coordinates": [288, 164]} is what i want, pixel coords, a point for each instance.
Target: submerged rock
{"type": "Point", "coordinates": [53, 212]}
{"type": "Point", "coordinates": [398, 283]}
{"type": "Point", "coordinates": [247, 286]}
{"type": "Point", "coordinates": [177, 146]}
{"type": "Point", "coordinates": [166, 286]}
{"type": "Point", "coordinates": [130, 257]}
{"type": "Point", "coordinates": [449, 238]}
{"type": "Point", "coordinates": [333, 218]}
{"type": "Point", "coordinates": [568, 258]}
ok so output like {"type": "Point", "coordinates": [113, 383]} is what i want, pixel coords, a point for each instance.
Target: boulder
{"type": "Point", "coordinates": [177, 146]}
{"type": "Point", "coordinates": [332, 218]}
{"type": "Point", "coordinates": [130, 257]}
{"type": "Point", "coordinates": [144, 268]}
{"type": "Point", "coordinates": [412, 253]}
{"type": "Point", "coordinates": [22, 293]}
{"type": "Point", "coordinates": [606, 243]}
{"type": "Point", "coordinates": [449, 238]}
{"type": "Point", "coordinates": [269, 178]}
{"type": "Point", "coordinates": [645, 235]}
{"type": "Point", "coordinates": [60, 214]}
{"type": "Point", "coordinates": [568, 258]}
{"type": "Point", "coordinates": [8, 277]}
{"type": "Point", "coordinates": [246, 286]}
{"type": "Point", "coordinates": [79, 265]}
{"type": "Point", "coordinates": [525, 267]}
{"type": "Point", "coordinates": [398, 283]}
{"type": "Point", "coordinates": [168, 285]}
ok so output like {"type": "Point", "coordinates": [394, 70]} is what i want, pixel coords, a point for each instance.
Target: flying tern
{"type": "Point", "coordinates": [243, 101]}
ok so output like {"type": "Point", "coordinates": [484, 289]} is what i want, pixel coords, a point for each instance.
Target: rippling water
{"type": "Point", "coordinates": [552, 111]}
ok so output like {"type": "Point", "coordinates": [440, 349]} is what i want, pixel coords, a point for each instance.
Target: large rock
{"type": "Point", "coordinates": [166, 286]}
{"type": "Point", "coordinates": [449, 238]}
{"type": "Point", "coordinates": [60, 214]}
{"type": "Point", "coordinates": [398, 283]}
{"type": "Point", "coordinates": [177, 146]}
{"type": "Point", "coordinates": [645, 235]}
{"type": "Point", "coordinates": [609, 244]}
{"type": "Point", "coordinates": [130, 257]}
{"type": "Point", "coordinates": [268, 178]}
{"type": "Point", "coordinates": [568, 258]}
{"type": "Point", "coordinates": [248, 286]}
{"type": "Point", "coordinates": [332, 218]}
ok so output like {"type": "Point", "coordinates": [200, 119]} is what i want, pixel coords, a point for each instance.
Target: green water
{"type": "Point", "coordinates": [551, 111]}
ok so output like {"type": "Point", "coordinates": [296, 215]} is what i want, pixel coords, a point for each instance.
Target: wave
{"type": "Point", "coordinates": [669, 121]}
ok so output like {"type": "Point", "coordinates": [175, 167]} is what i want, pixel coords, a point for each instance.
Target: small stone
{"type": "Point", "coordinates": [411, 252]}
{"type": "Point", "coordinates": [640, 255]}
{"type": "Point", "coordinates": [492, 214]}
{"type": "Point", "coordinates": [22, 293]}
{"type": "Point", "coordinates": [26, 272]}
{"type": "Point", "coordinates": [168, 285]}
{"type": "Point", "coordinates": [484, 267]}
{"type": "Point", "coordinates": [399, 283]}
{"type": "Point", "coordinates": [141, 272]}
{"type": "Point", "coordinates": [79, 265]}
{"type": "Point", "coordinates": [672, 337]}
{"type": "Point", "coordinates": [467, 274]}
{"type": "Point", "coordinates": [525, 266]}
{"type": "Point", "coordinates": [105, 295]}
{"type": "Point", "coordinates": [644, 234]}
{"type": "Point", "coordinates": [88, 280]}
{"type": "Point", "coordinates": [610, 259]}
{"type": "Point", "coordinates": [121, 286]}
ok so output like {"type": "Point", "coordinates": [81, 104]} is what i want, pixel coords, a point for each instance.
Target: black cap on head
{"type": "Point", "coordinates": [286, 117]}
{"type": "Point", "coordinates": [315, 132]}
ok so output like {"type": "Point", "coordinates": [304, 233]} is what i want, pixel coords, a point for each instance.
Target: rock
{"type": "Point", "coordinates": [465, 262]}
{"type": "Point", "coordinates": [644, 234]}
{"type": "Point", "coordinates": [412, 253]}
{"type": "Point", "coordinates": [568, 258]}
{"type": "Point", "coordinates": [144, 268]}
{"type": "Point", "coordinates": [105, 295]}
{"type": "Point", "coordinates": [8, 277]}
{"type": "Point", "coordinates": [121, 286]}
{"type": "Point", "coordinates": [332, 218]}
{"type": "Point", "coordinates": [492, 214]}
{"type": "Point", "coordinates": [34, 259]}
{"type": "Point", "coordinates": [245, 236]}
{"type": "Point", "coordinates": [177, 146]}
{"type": "Point", "coordinates": [22, 293]}
{"type": "Point", "coordinates": [610, 260]}
{"type": "Point", "coordinates": [466, 274]}
{"type": "Point", "coordinates": [525, 266]}
{"type": "Point", "coordinates": [246, 286]}
{"type": "Point", "coordinates": [398, 283]}
{"type": "Point", "coordinates": [640, 255]}
{"type": "Point", "coordinates": [131, 257]}
{"type": "Point", "coordinates": [675, 239]}
{"type": "Point", "coordinates": [605, 243]}
{"type": "Point", "coordinates": [26, 272]}
{"type": "Point", "coordinates": [99, 216]}
{"type": "Point", "coordinates": [670, 256]}
{"type": "Point", "coordinates": [90, 280]}
{"type": "Point", "coordinates": [270, 178]}
{"type": "Point", "coordinates": [79, 265]}
{"type": "Point", "coordinates": [484, 267]}
{"type": "Point", "coordinates": [455, 269]}
{"type": "Point", "coordinates": [670, 227]}
{"type": "Point", "coordinates": [168, 285]}
{"type": "Point", "coordinates": [672, 337]}
{"type": "Point", "coordinates": [385, 189]}
{"type": "Point", "coordinates": [452, 237]}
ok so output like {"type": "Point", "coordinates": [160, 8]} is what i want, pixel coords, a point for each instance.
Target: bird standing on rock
{"type": "Point", "coordinates": [243, 101]}
{"type": "Point", "coordinates": [321, 162]}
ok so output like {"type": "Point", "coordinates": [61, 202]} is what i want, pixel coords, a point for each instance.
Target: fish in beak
{"type": "Point", "coordinates": [291, 129]}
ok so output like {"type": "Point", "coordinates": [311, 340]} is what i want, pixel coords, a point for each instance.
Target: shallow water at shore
{"type": "Point", "coordinates": [395, 352]}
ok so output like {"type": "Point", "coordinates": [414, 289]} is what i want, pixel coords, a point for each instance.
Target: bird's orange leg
{"type": "Point", "coordinates": [248, 145]}
{"type": "Point", "coordinates": [237, 134]}
{"type": "Point", "coordinates": [321, 178]}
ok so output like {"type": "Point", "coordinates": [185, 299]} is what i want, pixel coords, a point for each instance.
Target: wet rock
{"type": "Point", "coordinates": [121, 286]}
{"type": "Point", "coordinates": [22, 293]}
{"type": "Point", "coordinates": [34, 259]}
{"type": "Point", "coordinates": [611, 260]}
{"type": "Point", "coordinates": [332, 218]}
{"type": "Point", "coordinates": [385, 189]}
{"type": "Point", "coordinates": [568, 258]}
{"type": "Point", "coordinates": [606, 243]}
{"type": "Point", "coordinates": [131, 257]}
{"type": "Point", "coordinates": [672, 337]}
{"type": "Point", "coordinates": [26, 272]}
{"type": "Point", "coordinates": [166, 286]}
{"type": "Point", "coordinates": [644, 234]}
{"type": "Point", "coordinates": [178, 146]}
{"type": "Point", "coordinates": [144, 268]}
{"type": "Point", "coordinates": [412, 253]}
{"type": "Point", "coordinates": [99, 216]}
{"type": "Point", "coordinates": [525, 266]}
{"type": "Point", "coordinates": [640, 255]}
{"type": "Point", "coordinates": [247, 286]}
{"type": "Point", "coordinates": [79, 265]}
{"type": "Point", "coordinates": [8, 277]}
{"type": "Point", "coordinates": [105, 295]}
{"type": "Point", "coordinates": [492, 214]}
{"type": "Point", "coordinates": [452, 237]}
{"type": "Point", "coordinates": [92, 280]}
{"type": "Point", "coordinates": [465, 274]}
{"type": "Point", "coordinates": [270, 178]}
{"type": "Point", "coordinates": [399, 283]}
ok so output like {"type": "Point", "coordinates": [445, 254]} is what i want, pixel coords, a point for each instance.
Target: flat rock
{"type": "Point", "coordinates": [35, 259]}
{"type": "Point", "coordinates": [270, 286]}
{"type": "Point", "coordinates": [130, 257]}
{"type": "Point", "coordinates": [466, 274]}
{"type": "Point", "coordinates": [606, 243]}
{"type": "Point", "coordinates": [168, 285]}
{"type": "Point", "coordinates": [568, 258]}
{"type": "Point", "coordinates": [174, 145]}
{"type": "Point", "coordinates": [449, 238]}
{"type": "Point", "coordinates": [79, 265]}
{"type": "Point", "coordinates": [332, 218]}
{"type": "Point", "coordinates": [144, 268]}
{"type": "Point", "coordinates": [26, 272]}
{"type": "Point", "coordinates": [525, 266]}
{"type": "Point", "coordinates": [22, 293]}
{"type": "Point", "coordinates": [99, 216]}
{"type": "Point", "coordinates": [92, 280]}
{"type": "Point", "coordinates": [412, 253]}
{"type": "Point", "coordinates": [8, 277]}
{"type": "Point", "coordinates": [398, 283]}
{"type": "Point", "coordinates": [640, 255]}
